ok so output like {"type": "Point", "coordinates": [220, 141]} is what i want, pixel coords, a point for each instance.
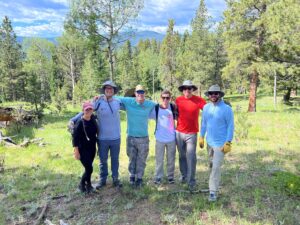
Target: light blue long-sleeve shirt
{"type": "Point", "coordinates": [217, 123]}
{"type": "Point", "coordinates": [137, 115]}
{"type": "Point", "coordinates": [108, 116]}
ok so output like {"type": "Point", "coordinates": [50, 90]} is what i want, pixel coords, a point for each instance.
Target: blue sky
{"type": "Point", "coordinates": [44, 18]}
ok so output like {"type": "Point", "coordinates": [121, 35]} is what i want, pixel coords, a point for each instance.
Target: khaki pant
{"type": "Point", "coordinates": [160, 149]}
{"type": "Point", "coordinates": [216, 157]}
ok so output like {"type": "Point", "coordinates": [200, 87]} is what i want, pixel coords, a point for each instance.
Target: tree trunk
{"type": "Point", "coordinates": [72, 73]}
{"type": "Point", "coordinates": [111, 61]}
{"type": "Point", "coordinates": [275, 89]}
{"type": "Point", "coordinates": [287, 95]}
{"type": "Point", "coordinates": [252, 92]}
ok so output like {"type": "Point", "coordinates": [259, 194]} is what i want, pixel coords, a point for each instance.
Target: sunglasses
{"type": "Point", "coordinates": [140, 92]}
{"type": "Point", "coordinates": [213, 93]}
{"type": "Point", "coordinates": [187, 88]}
{"type": "Point", "coordinates": [167, 98]}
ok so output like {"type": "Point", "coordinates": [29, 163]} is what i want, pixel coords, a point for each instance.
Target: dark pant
{"type": "Point", "coordinates": [104, 147]}
{"type": "Point", "coordinates": [87, 156]}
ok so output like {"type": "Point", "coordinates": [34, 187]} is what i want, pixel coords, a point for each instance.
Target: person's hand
{"type": "Point", "coordinates": [102, 96]}
{"type": "Point", "coordinates": [201, 142]}
{"type": "Point", "coordinates": [227, 147]}
{"type": "Point", "coordinates": [76, 153]}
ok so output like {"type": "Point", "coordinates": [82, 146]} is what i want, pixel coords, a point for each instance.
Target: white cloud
{"type": "Point", "coordinates": [43, 30]}
{"type": "Point", "coordinates": [32, 17]}
{"type": "Point", "coordinates": [63, 2]}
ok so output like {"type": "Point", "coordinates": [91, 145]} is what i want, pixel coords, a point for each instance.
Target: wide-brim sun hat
{"type": "Point", "coordinates": [214, 88]}
{"type": "Point", "coordinates": [187, 83]}
{"type": "Point", "coordinates": [109, 83]}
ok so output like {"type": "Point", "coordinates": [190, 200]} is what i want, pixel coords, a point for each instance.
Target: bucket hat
{"type": "Point", "coordinates": [215, 88]}
{"type": "Point", "coordinates": [109, 83]}
{"type": "Point", "coordinates": [187, 83]}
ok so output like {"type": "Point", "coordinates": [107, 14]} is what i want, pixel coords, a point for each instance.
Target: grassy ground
{"type": "Point", "coordinates": [260, 181]}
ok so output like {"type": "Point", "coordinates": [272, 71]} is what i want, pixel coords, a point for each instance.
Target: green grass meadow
{"type": "Point", "coordinates": [260, 177]}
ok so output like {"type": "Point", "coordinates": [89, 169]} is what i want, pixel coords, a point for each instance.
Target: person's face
{"type": "Point", "coordinates": [165, 99]}
{"type": "Point", "coordinates": [187, 91]}
{"type": "Point", "coordinates": [88, 112]}
{"type": "Point", "coordinates": [140, 96]}
{"type": "Point", "coordinates": [214, 96]}
{"type": "Point", "coordinates": [109, 91]}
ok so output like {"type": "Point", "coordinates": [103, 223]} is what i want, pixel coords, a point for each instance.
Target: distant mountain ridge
{"type": "Point", "coordinates": [140, 35]}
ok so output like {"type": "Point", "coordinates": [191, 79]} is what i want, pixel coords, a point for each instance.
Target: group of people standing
{"type": "Point", "coordinates": [176, 125]}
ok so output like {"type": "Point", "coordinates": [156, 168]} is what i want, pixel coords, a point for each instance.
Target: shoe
{"type": "Point", "coordinates": [192, 188]}
{"type": "Point", "coordinates": [212, 197]}
{"type": "Point", "coordinates": [132, 181]}
{"type": "Point", "coordinates": [117, 183]}
{"type": "Point", "coordinates": [89, 188]}
{"type": "Point", "coordinates": [182, 180]}
{"type": "Point", "coordinates": [82, 188]}
{"type": "Point", "coordinates": [171, 181]}
{"type": "Point", "coordinates": [157, 181]}
{"type": "Point", "coordinates": [100, 185]}
{"type": "Point", "coordinates": [139, 182]}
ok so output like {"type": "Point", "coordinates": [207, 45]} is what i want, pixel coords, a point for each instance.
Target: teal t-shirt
{"type": "Point", "coordinates": [137, 115]}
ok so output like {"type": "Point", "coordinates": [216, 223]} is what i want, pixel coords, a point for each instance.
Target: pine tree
{"type": "Point", "coordinates": [246, 42]}
{"type": "Point", "coordinates": [200, 49]}
{"type": "Point", "coordinates": [168, 59]}
{"type": "Point", "coordinates": [126, 75]}
{"type": "Point", "coordinates": [11, 56]}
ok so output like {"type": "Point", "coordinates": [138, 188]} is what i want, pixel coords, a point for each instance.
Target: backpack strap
{"type": "Point", "coordinates": [156, 116]}
{"type": "Point", "coordinates": [173, 109]}
{"type": "Point", "coordinates": [98, 105]}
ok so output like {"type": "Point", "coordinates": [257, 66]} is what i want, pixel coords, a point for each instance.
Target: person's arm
{"type": "Point", "coordinates": [152, 114]}
{"type": "Point", "coordinates": [230, 124]}
{"type": "Point", "coordinates": [76, 135]}
{"type": "Point", "coordinates": [202, 103]}
{"type": "Point", "coordinates": [203, 124]}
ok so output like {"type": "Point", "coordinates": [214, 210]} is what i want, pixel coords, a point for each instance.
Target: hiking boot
{"type": "Point", "coordinates": [132, 181]}
{"type": "Point", "coordinates": [182, 180]}
{"type": "Point", "coordinates": [171, 181]}
{"type": "Point", "coordinates": [100, 185]}
{"type": "Point", "coordinates": [212, 197]}
{"type": "Point", "coordinates": [157, 181]}
{"type": "Point", "coordinates": [139, 183]}
{"type": "Point", "coordinates": [90, 188]}
{"type": "Point", "coordinates": [82, 188]}
{"type": "Point", "coordinates": [192, 187]}
{"type": "Point", "coordinates": [117, 183]}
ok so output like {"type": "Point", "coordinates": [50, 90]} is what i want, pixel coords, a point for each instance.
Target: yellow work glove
{"type": "Point", "coordinates": [227, 147]}
{"type": "Point", "coordinates": [201, 142]}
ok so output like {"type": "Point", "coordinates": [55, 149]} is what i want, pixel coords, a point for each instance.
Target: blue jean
{"type": "Point", "coordinates": [104, 146]}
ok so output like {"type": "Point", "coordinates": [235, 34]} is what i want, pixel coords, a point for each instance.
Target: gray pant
{"type": "Point", "coordinates": [137, 151]}
{"type": "Point", "coordinates": [159, 158]}
{"type": "Point", "coordinates": [186, 144]}
{"type": "Point", "coordinates": [216, 157]}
